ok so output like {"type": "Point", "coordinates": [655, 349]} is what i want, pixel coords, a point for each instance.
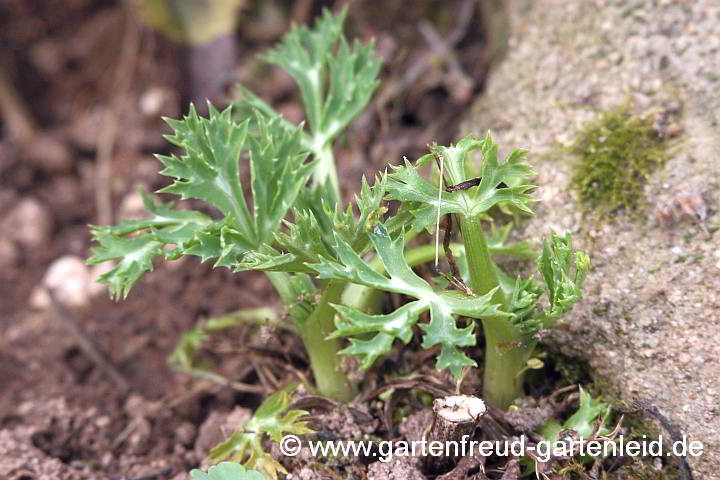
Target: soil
{"type": "Point", "coordinates": [73, 74]}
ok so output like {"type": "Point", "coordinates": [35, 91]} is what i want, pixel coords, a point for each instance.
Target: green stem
{"type": "Point", "coordinates": [331, 381]}
{"type": "Point", "coordinates": [324, 359]}
{"type": "Point", "coordinates": [505, 354]}
{"type": "Point", "coordinates": [505, 360]}
{"type": "Point", "coordinates": [281, 283]}
{"type": "Point", "coordinates": [326, 170]}
{"type": "Point", "coordinates": [482, 274]}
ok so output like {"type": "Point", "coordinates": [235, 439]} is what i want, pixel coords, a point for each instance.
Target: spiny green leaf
{"type": "Point", "coordinates": [310, 56]}
{"type": "Point", "coordinates": [563, 287]}
{"type": "Point", "coordinates": [523, 305]}
{"type": "Point", "coordinates": [312, 233]}
{"type": "Point", "coordinates": [209, 168]}
{"type": "Point", "coordinates": [442, 328]}
{"type": "Point", "coordinates": [278, 171]}
{"type": "Point", "coordinates": [150, 238]}
{"type": "Point", "coordinates": [227, 471]}
{"type": "Point", "coordinates": [406, 183]}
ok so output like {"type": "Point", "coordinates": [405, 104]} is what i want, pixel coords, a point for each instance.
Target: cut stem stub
{"type": "Point", "coordinates": [455, 417]}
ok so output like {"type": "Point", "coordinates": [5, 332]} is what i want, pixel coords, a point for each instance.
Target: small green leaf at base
{"type": "Point", "coordinates": [273, 419]}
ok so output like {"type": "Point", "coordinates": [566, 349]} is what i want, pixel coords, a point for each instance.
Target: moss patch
{"type": "Point", "coordinates": [617, 152]}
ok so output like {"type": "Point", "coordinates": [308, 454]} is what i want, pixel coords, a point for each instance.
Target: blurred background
{"type": "Point", "coordinates": [83, 87]}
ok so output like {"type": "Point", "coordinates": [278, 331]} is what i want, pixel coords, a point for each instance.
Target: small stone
{"type": "Point", "coordinates": [29, 223]}
{"type": "Point", "coordinates": [69, 279]}
{"type": "Point", "coordinates": [185, 433]}
{"type": "Point", "coordinates": [154, 101]}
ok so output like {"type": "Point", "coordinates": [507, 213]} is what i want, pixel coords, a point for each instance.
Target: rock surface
{"type": "Point", "coordinates": [651, 317]}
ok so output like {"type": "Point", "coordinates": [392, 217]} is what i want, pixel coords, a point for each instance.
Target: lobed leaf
{"type": "Point", "coordinates": [406, 183]}
{"type": "Point", "coordinates": [271, 418]}
{"type": "Point", "coordinates": [209, 170]}
{"type": "Point", "coordinates": [335, 81]}
{"type": "Point", "coordinates": [564, 287]}
{"type": "Point", "coordinates": [442, 328]}
{"type": "Point", "coordinates": [135, 243]}
{"type": "Point", "coordinates": [312, 234]}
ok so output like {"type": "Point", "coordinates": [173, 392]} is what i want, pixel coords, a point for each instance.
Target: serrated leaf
{"type": "Point", "coordinates": [522, 304]}
{"type": "Point", "coordinates": [209, 169]}
{"type": "Point", "coordinates": [336, 82]}
{"type": "Point", "coordinates": [227, 471]}
{"type": "Point", "coordinates": [406, 183]}
{"type": "Point", "coordinates": [442, 328]}
{"type": "Point", "coordinates": [312, 233]}
{"type": "Point", "coordinates": [564, 287]}
{"type": "Point", "coordinates": [271, 418]}
{"type": "Point", "coordinates": [310, 56]}
{"type": "Point", "coordinates": [278, 171]}
{"type": "Point", "coordinates": [135, 243]}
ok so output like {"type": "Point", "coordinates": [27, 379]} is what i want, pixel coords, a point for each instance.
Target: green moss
{"type": "Point", "coordinates": [617, 152]}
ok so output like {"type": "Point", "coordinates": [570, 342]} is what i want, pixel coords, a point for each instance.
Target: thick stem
{"type": "Point", "coordinates": [482, 275]}
{"type": "Point", "coordinates": [331, 381]}
{"type": "Point", "coordinates": [281, 283]}
{"type": "Point", "coordinates": [505, 352]}
{"type": "Point", "coordinates": [505, 360]}
{"type": "Point", "coordinates": [454, 422]}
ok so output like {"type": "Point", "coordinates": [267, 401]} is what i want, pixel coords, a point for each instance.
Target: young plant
{"type": "Point", "coordinates": [273, 419]}
{"type": "Point", "coordinates": [509, 310]}
{"type": "Point", "coordinates": [509, 338]}
{"type": "Point", "coordinates": [330, 264]}
{"type": "Point", "coordinates": [290, 167]}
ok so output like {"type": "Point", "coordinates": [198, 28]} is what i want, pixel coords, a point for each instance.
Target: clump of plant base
{"type": "Point", "coordinates": [332, 264]}
{"type": "Point", "coordinates": [616, 154]}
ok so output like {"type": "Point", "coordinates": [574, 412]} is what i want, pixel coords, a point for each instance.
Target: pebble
{"type": "Point", "coordinates": [29, 223]}
{"type": "Point", "coordinates": [70, 279]}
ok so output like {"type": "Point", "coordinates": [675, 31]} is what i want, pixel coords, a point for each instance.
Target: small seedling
{"type": "Point", "coordinates": [273, 419]}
